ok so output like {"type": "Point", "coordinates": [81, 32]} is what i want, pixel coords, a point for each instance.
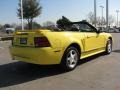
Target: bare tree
{"type": "Point", "coordinates": [101, 21]}
{"type": "Point", "coordinates": [98, 21]}
{"type": "Point", "coordinates": [14, 25]}
{"type": "Point", "coordinates": [90, 18]}
{"type": "Point", "coordinates": [0, 26]}
{"type": "Point", "coordinates": [49, 25]}
{"type": "Point", "coordinates": [111, 20]}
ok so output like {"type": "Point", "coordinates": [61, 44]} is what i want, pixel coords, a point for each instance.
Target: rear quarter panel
{"type": "Point", "coordinates": [62, 40]}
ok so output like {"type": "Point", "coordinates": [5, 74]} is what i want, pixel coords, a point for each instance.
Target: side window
{"type": "Point", "coordinates": [74, 27]}
{"type": "Point", "coordinates": [85, 28]}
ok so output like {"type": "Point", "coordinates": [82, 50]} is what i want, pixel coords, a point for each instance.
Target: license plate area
{"type": "Point", "coordinates": [23, 41]}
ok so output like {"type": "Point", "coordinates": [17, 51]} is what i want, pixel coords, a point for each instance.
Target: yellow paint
{"type": "Point", "coordinates": [90, 44]}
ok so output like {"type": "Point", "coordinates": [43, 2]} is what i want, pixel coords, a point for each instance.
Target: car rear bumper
{"type": "Point", "coordinates": [42, 56]}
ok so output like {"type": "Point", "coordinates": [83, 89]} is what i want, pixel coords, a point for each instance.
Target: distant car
{"type": "Point", "coordinates": [47, 47]}
{"type": "Point", "coordinates": [102, 29]}
{"type": "Point", "coordinates": [9, 30]}
{"type": "Point", "coordinates": [117, 30]}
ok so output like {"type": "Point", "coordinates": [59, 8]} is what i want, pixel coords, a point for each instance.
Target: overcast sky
{"type": "Point", "coordinates": [75, 10]}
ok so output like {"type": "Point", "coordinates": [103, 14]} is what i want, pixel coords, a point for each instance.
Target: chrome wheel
{"type": "Point", "coordinates": [109, 46]}
{"type": "Point", "coordinates": [72, 59]}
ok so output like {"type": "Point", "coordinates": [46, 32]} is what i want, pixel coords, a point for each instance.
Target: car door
{"type": "Point", "coordinates": [93, 40]}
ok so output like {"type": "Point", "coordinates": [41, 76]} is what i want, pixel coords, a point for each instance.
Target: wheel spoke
{"type": "Point", "coordinates": [69, 60]}
{"type": "Point", "coordinates": [71, 54]}
{"type": "Point", "coordinates": [109, 47]}
{"type": "Point", "coordinates": [72, 58]}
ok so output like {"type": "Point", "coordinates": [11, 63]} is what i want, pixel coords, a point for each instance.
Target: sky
{"type": "Point", "coordinates": [52, 10]}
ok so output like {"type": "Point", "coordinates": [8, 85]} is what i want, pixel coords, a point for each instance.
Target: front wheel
{"type": "Point", "coordinates": [108, 46]}
{"type": "Point", "coordinates": [70, 59]}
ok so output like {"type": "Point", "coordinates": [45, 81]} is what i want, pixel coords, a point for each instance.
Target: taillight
{"type": "Point", "coordinates": [41, 42]}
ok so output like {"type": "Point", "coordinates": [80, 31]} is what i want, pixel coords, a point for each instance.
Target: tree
{"type": "Point", "coordinates": [7, 26]}
{"type": "Point", "coordinates": [31, 9]}
{"type": "Point", "coordinates": [111, 20]}
{"type": "Point", "coordinates": [91, 17]}
{"type": "Point", "coordinates": [14, 25]}
{"type": "Point", "coordinates": [35, 25]}
{"type": "Point", "coordinates": [101, 21]}
{"type": "Point", "coordinates": [63, 23]}
{"type": "Point", "coordinates": [0, 27]}
{"type": "Point", "coordinates": [49, 25]}
{"type": "Point", "coordinates": [98, 21]}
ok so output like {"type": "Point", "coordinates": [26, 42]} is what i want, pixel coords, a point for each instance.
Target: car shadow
{"type": "Point", "coordinates": [19, 72]}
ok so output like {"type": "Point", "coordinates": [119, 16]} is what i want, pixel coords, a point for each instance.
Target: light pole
{"type": "Point", "coordinates": [22, 15]}
{"type": "Point", "coordinates": [117, 11]}
{"type": "Point", "coordinates": [95, 11]}
{"type": "Point", "coordinates": [102, 7]}
{"type": "Point", "coordinates": [107, 13]}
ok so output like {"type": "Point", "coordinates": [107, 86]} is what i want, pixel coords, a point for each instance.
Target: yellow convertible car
{"type": "Point", "coordinates": [46, 47]}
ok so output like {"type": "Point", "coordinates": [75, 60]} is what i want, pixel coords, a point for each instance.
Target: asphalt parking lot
{"type": "Point", "coordinates": [101, 72]}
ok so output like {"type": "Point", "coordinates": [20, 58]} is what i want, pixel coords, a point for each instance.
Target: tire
{"type": "Point", "coordinates": [70, 59]}
{"type": "Point", "coordinates": [108, 47]}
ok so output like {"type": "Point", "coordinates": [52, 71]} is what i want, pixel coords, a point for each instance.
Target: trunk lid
{"type": "Point", "coordinates": [26, 38]}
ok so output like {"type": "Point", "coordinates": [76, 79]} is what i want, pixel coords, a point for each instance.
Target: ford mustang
{"type": "Point", "coordinates": [45, 47]}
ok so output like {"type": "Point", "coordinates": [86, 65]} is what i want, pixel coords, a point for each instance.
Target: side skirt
{"type": "Point", "coordinates": [92, 52]}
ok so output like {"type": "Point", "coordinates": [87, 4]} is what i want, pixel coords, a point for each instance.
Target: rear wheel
{"type": "Point", "coordinates": [70, 58]}
{"type": "Point", "coordinates": [108, 46]}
